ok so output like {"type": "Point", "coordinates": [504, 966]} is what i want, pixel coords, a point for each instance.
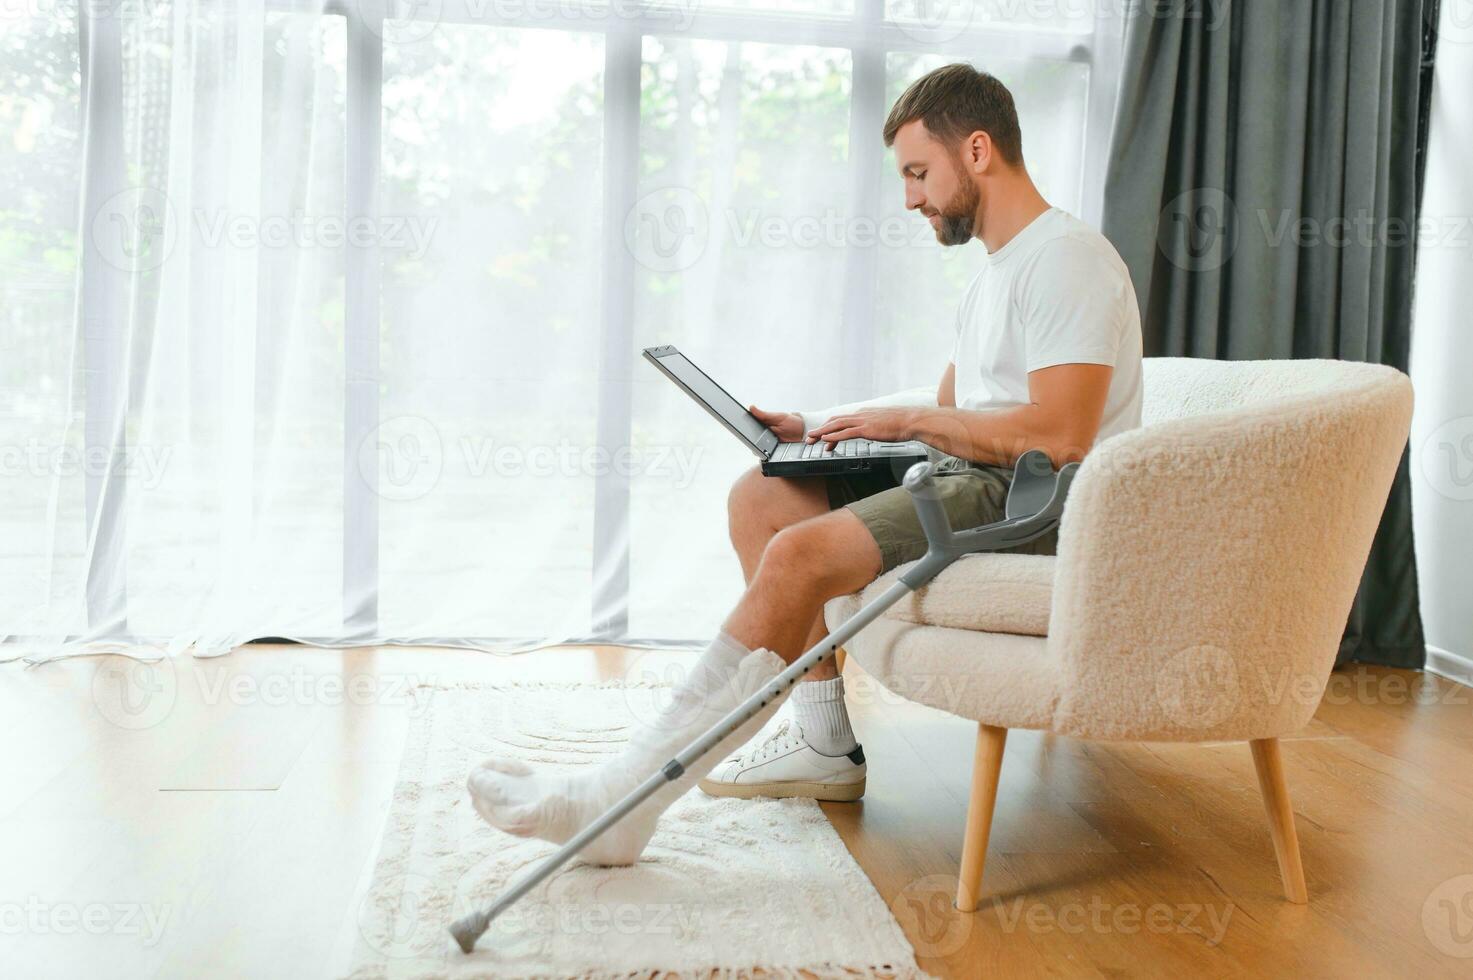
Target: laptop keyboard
{"type": "Point", "coordinates": [849, 447]}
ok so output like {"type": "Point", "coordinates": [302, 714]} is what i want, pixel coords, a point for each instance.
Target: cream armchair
{"type": "Point", "coordinates": [1206, 566]}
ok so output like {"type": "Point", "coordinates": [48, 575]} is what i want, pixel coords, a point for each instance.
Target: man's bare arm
{"type": "Point", "coordinates": [1066, 404]}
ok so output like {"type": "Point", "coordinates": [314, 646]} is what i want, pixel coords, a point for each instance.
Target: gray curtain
{"type": "Point", "coordinates": [1262, 187]}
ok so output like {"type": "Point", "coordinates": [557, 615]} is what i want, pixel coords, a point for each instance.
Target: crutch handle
{"type": "Point", "coordinates": [918, 475]}
{"type": "Point", "coordinates": [1035, 504]}
{"type": "Point", "coordinates": [925, 495]}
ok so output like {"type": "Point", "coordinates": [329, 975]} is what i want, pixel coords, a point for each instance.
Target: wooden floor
{"type": "Point", "coordinates": [223, 825]}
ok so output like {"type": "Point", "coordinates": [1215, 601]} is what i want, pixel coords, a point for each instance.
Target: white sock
{"type": "Point", "coordinates": [510, 795]}
{"type": "Point", "coordinates": [818, 708]}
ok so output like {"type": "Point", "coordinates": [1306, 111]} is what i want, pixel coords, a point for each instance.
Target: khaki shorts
{"type": "Point", "coordinates": [973, 494]}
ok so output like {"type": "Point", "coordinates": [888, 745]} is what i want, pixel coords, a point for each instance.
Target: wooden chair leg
{"type": "Point", "coordinates": [986, 767]}
{"type": "Point", "coordinates": [1270, 766]}
{"type": "Point", "coordinates": [840, 655]}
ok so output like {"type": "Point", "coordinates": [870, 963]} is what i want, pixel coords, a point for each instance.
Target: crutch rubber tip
{"type": "Point", "coordinates": [466, 931]}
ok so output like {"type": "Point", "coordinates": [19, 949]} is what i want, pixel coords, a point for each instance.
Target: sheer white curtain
{"type": "Point", "coordinates": [321, 320]}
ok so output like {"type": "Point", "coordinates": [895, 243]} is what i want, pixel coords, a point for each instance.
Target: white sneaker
{"type": "Point", "coordinates": [781, 763]}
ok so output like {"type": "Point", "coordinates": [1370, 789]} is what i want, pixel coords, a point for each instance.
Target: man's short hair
{"type": "Point", "coordinates": [956, 100]}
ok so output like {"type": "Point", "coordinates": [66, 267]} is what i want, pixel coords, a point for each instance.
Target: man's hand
{"type": "Point", "coordinates": [879, 424]}
{"type": "Point", "coordinates": [787, 426]}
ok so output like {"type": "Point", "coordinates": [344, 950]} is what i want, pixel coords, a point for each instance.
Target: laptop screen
{"type": "Point", "coordinates": [714, 399]}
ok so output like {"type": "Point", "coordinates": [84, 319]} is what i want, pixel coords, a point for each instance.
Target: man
{"type": "Point", "coordinates": [1047, 355]}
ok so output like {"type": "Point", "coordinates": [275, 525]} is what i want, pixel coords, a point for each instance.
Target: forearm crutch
{"type": "Point", "coordinates": [1034, 506]}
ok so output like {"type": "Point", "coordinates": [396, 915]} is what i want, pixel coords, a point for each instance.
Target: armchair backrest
{"type": "Point", "coordinates": [1208, 560]}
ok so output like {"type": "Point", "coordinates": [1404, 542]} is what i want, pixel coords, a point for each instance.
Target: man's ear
{"type": "Point", "coordinates": [977, 151]}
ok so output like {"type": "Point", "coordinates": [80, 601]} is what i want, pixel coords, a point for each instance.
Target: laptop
{"type": "Point", "coordinates": [783, 458]}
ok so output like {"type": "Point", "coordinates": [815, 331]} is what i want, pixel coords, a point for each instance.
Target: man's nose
{"type": "Point", "coordinates": [914, 199]}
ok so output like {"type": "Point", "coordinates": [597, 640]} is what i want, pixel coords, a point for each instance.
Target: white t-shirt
{"type": "Point", "coordinates": [1057, 293]}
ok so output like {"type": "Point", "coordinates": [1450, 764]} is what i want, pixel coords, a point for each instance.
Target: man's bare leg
{"type": "Point", "coordinates": [759, 507]}
{"type": "Point", "coordinates": [814, 751]}
{"type": "Point", "coordinates": [802, 567]}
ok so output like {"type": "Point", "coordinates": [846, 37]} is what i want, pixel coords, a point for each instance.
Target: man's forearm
{"type": "Point", "coordinates": [994, 436]}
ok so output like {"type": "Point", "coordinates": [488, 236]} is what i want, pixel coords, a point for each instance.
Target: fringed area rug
{"type": "Point", "coordinates": [727, 889]}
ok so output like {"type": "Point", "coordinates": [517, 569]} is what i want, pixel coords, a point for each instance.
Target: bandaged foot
{"type": "Point", "coordinates": [513, 797]}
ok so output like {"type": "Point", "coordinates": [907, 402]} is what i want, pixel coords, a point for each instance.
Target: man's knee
{"type": "Point", "coordinates": [761, 505]}
{"type": "Point", "coordinates": [833, 554]}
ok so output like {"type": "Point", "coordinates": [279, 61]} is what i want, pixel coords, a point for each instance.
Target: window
{"type": "Point", "coordinates": [444, 432]}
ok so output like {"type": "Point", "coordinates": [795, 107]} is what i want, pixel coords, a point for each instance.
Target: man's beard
{"type": "Point", "coordinates": [960, 214]}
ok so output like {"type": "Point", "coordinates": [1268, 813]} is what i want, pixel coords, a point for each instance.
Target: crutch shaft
{"type": "Point", "coordinates": [944, 546]}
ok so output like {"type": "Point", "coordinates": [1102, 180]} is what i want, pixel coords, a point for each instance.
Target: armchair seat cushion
{"type": "Point", "coordinates": [992, 592]}
{"type": "Point", "coordinates": [996, 678]}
